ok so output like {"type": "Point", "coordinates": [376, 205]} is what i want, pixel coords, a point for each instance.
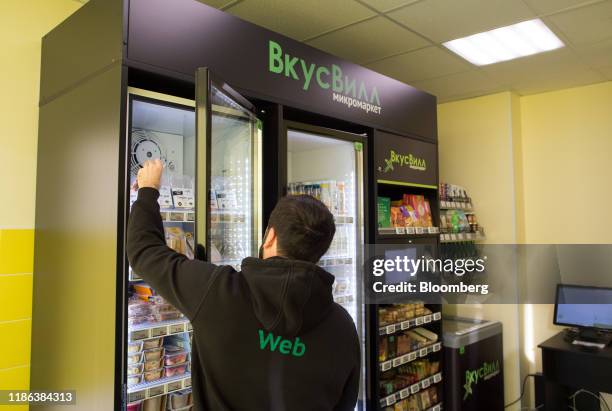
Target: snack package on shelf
{"type": "Point", "coordinates": [397, 217]}
{"type": "Point", "coordinates": [417, 202]}
{"type": "Point", "coordinates": [182, 191]}
{"type": "Point", "coordinates": [180, 241]}
{"type": "Point", "coordinates": [401, 312]}
{"type": "Point", "coordinates": [384, 212]}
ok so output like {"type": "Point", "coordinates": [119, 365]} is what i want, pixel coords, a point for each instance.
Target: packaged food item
{"type": "Point", "coordinates": [152, 343]}
{"type": "Point", "coordinates": [434, 367]}
{"type": "Point", "coordinates": [134, 347]}
{"type": "Point", "coordinates": [382, 350]}
{"type": "Point", "coordinates": [175, 239]}
{"type": "Point", "coordinates": [173, 359]}
{"type": "Point", "coordinates": [153, 375]}
{"type": "Point", "coordinates": [424, 398]}
{"type": "Point", "coordinates": [391, 346]}
{"type": "Point", "coordinates": [401, 406]}
{"type": "Point", "coordinates": [413, 404]}
{"type": "Point", "coordinates": [384, 212]}
{"type": "Point", "coordinates": [134, 358]}
{"type": "Point", "coordinates": [154, 404]}
{"type": "Point", "coordinates": [428, 218]}
{"type": "Point", "coordinates": [418, 204]}
{"type": "Point", "coordinates": [431, 336]}
{"type": "Point", "coordinates": [417, 337]}
{"type": "Point", "coordinates": [433, 395]}
{"type": "Point", "coordinates": [134, 369]}
{"type": "Point", "coordinates": [397, 218]}
{"type": "Point", "coordinates": [183, 197]}
{"type": "Point", "coordinates": [180, 399]}
{"type": "Point", "coordinates": [165, 197]}
{"type": "Point", "coordinates": [153, 364]}
{"type": "Point", "coordinates": [154, 354]}
{"type": "Point", "coordinates": [410, 216]}
{"type": "Point", "coordinates": [404, 344]}
{"type": "Point", "coordinates": [134, 406]}
{"type": "Point", "coordinates": [178, 369]}
{"type": "Point", "coordinates": [142, 290]}
{"type": "Point", "coordinates": [140, 320]}
{"type": "Point", "coordinates": [137, 307]}
{"type": "Point", "coordinates": [134, 379]}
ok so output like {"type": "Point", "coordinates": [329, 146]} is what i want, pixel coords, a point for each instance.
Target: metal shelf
{"type": "Point", "coordinates": [342, 219]}
{"type": "Point", "coordinates": [411, 390]}
{"type": "Point", "coordinates": [159, 329]}
{"type": "Point", "coordinates": [410, 323]}
{"type": "Point", "coordinates": [332, 261]}
{"type": "Point", "coordinates": [411, 356]}
{"type": "Point", "coordinates": [344, 298]}
{"type": "Point", "coordinates": [403, 231]}
{"type": "Point", "coordinates": [159, 387]}
{"type": "Point", "coordinates": [456, 205]}
{"type": "Point", "coordinates": [457, 237]}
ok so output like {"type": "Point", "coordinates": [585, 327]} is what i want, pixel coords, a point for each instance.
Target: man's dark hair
{"type": "Point", "coordinates": [304, 227]}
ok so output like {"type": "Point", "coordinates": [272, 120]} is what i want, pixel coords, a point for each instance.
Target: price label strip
{"type": "Point", "coordinates": [385, 366]}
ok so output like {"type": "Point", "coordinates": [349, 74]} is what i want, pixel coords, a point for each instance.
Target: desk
{"type": "Point", "coordinates": [567, 367]}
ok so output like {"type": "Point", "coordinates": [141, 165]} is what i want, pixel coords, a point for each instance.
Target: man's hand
{"type": "Point", "coordinates": [150, 174]}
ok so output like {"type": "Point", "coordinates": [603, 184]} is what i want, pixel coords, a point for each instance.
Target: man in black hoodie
{"type": "Point", "coordinates": [269, 337]}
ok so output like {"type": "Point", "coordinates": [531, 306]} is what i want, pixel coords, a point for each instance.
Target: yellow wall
{"type": "Point", "coordinates": [476, 152]}
{"type": "Point", "coordinates": [538, 170]}
{"type": "Point", "coordinates": [566, 158]}
{"type": "Point", "coordinates": [22, 24]}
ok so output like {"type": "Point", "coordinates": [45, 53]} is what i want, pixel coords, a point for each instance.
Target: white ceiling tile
{"type": "Point", "coordinates": [357, 42]}
{"type": "Point", "coordinates": [460, 85]}
{"type": "Point", "coordinates": [384, 5]}
{"type": "Point", "coordinates": [596, 55]}
{"type": "Point", "coordinates": [551, 6]}
{"type": "Point", "coordinates": [586, 24]}
{"type": "Point", "coordinates": [421, 64]}
{"type": "Point", "coordinates": [301, 19]}
{"type": "Point", "coordinates": [443, 20]}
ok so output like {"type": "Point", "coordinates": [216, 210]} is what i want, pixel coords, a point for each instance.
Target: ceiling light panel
{"type": "Point", "coordinates": [506, 43]}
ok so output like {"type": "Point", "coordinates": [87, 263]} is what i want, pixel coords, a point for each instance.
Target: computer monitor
{"type": "Point", "coordinates": [584, 307]}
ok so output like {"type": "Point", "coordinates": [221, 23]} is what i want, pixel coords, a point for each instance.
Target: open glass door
{"type": "Point", "coordinates": [230, 159]}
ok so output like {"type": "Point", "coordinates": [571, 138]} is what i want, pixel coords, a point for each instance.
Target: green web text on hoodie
{"type": "Point", "coordinates": [267, 338]}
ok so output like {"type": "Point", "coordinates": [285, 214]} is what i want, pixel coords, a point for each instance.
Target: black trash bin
{"type": "Point", "coordinates": [473, 365]}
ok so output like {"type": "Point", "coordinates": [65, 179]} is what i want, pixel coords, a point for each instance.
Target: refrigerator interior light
{"type": "Point", "coordinates": [506, 43]}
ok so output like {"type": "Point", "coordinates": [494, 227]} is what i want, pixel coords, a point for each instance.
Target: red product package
{"type": "Point", "coordinates": [418, 204]}
{"type": "Point", "coordinates": [428, 219]}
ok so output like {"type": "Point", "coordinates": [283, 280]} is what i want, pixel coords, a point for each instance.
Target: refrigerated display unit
{"type": "Point", "coordinates": [329, 165]}
{"type": "Point", "coordinates": [406, 356]}
{"type": "Point", "coordinates": [209, 195]}
{"type": "Point", "coordinates": [123, 81]}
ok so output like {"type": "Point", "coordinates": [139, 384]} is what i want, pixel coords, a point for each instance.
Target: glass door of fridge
{"type": "Point", "coordinates": [157, 348]}
{"type": "Point", "coordinates": [329, 167]}
{"type": "Point", "coordinates": [232, 160]}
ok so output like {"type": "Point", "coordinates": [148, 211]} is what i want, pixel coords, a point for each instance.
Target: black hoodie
{"type": "Point", "coordinates": [267, 338]}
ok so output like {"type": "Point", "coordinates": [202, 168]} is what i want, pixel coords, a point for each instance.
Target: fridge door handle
{"type": "Point", "coordinates": [203, 107]}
